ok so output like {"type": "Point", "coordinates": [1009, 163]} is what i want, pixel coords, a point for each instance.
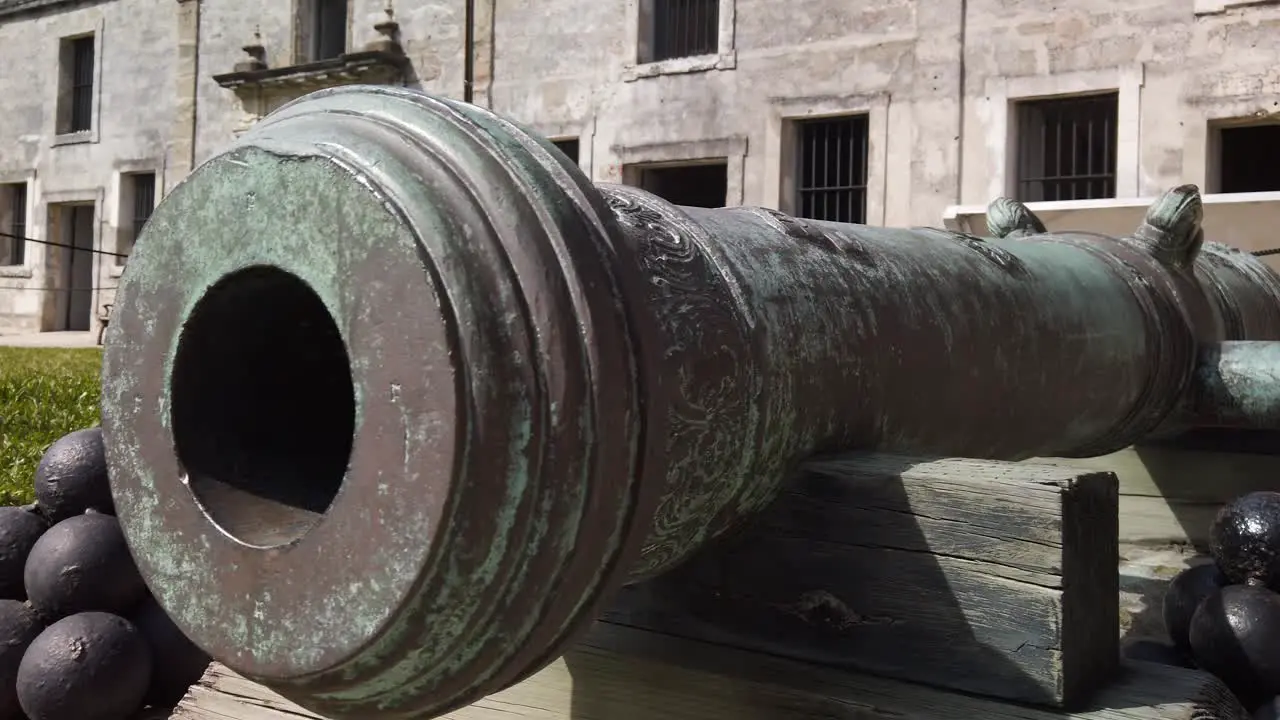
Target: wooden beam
{"type": "Point", "coordinates": [625, 674]}
{"type": "Point", "coordinates": [1171, 494]}
{"type": "Point", "coordinates": [991, 578]}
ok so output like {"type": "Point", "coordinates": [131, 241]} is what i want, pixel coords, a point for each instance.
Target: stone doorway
{"type": "Point", "coordinates": [71, 267]}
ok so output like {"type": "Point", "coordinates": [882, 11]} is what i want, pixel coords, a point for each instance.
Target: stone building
{"type": "Point", "coordinates": [884, 112]}
{"type": "Point", "coordinates": [86, 105]}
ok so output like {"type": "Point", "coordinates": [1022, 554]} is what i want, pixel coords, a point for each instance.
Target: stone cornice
{"type": "Point", "coordinates": [18, 8]}
{"type": "Point", "coordinates": [375, 66]}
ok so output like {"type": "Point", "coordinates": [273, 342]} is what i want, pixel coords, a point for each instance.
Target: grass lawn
{"type": "Point", "coordinates": [45, 393]}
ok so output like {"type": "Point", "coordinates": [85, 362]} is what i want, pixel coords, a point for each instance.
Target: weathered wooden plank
{"type": "Point", "coordinates": [1164, 471]}
{"type": "Point", "coordinates": [1159, 521]}
{"type": "Point", "coordinates": [993, 578]}
{"type": "Point", "coordinates": [620, 673]}
{"type": "Point", "coordinates": [224, 695]}
{"type": "Point", "coordinates": [1171, 494]}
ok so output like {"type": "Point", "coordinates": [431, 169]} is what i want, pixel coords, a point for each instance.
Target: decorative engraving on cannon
{"type": "Point", "coordinates": [397, 399]}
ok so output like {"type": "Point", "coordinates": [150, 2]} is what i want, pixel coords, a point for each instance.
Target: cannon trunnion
{"type": "Point", "coordinates": [396, 399]}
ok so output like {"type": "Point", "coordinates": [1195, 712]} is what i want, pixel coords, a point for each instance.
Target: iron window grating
{"type": "Point", "coordinates": [82, 61]}
{"type": "Point", "coordinates": [15, 245]}
{"type": "Point", "coordinates": [685, 28]}
{"type": "Point", "coordinates": [144, 200]}
{"type": "Point", "coordinates": [571, 147]}
{"type": "Point", "coordinates": [330, 28]}
{"type": "Point", "coordinates": [831, 169]}
{"type": "Point", "coordinates": [143, 186]}
{"type": "Point", "coordinates": [1066, 148]}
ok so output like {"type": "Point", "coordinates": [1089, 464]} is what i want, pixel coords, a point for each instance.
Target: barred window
{"type": "Point", "coordinates": [81, 118]}
{"type": "Point", "coordinates": [330, 31]}
{"type": "Point", "coordinates": [142, 188]}
{"type": "Point", "coordinates": [1249, 159]}
{"type": "Point", "coordinates": [703, 183]}
{"type": "Point", "coordinates": [13, 245]}
{"type": "Point", "coordinates": [569, 147]}
{"type": "Point", "coordinates": [831, 169]}
{"type": "Point", "coordinates": [1066, 148]}
{"type": "Point", "coordinates": [684, 28]}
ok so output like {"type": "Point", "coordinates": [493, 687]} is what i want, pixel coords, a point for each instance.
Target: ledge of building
{"type": "Point", "coordinates": [367, 66]}
{"type": "Point", "coordinates": [1245, 221]}
{"type": "Point", "coordinates": [18, 7]}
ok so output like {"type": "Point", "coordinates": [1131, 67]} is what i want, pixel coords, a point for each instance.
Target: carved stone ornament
{"type": "Point", "coordinates": [261, 89]}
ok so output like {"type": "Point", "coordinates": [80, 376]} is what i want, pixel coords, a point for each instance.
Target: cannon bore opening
{"type": "Point", "coordinates": [262, 405]}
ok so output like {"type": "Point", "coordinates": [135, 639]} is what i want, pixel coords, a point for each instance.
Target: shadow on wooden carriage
{"type": "Point", "coordinates": [1171, 488]}
{"type": "Point", "coordinates": [996, 580]}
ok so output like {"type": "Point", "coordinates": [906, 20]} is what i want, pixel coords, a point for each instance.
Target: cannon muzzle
{"type": "Point", "coordinates": [395, 398]}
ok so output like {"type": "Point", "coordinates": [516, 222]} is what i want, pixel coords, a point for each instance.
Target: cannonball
{"type": "Point", "coordinates": [83, 564]}
{"type": "Point", "coordinates": [1155, 652]}
{"type": "Point", "coordinates": [89, 666]}
{"type": "Point", "coordinates": [20, 528]}
{"type": "Point", "coordinates": [1184, 595]}
{"type": "Point", "coordinates": [72, 476]}
{"type": "Point", "coordinates": [19, 626]}
{"type": "Point", "coordinates": [181, 662]}
{"type": "Point", "coordinates": [1245, 539]}
{"type": "Point", "coordinates": [1234, 636]}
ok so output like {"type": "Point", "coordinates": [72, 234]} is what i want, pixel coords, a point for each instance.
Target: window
{"type": "Point", "coordinates": [831, 169]}
{"type": "Point", "coordinates": [324, 29]}
{"type": "Point", "coordinates": [704, 184]}
{"type": "Point", "coordinates": [1249, 159]}
{"type": "Point", "coordinates": [568, 147]}
{"type": "Point", "coordinates": [141, 198]}
{"type": "Point", "coordinates": [78, 75]}
{"type": "Point", "coordinates": [1066, 148]}
{"type": "Point", "coordinates": [13, 213]}
{"type": "Point", "coordinates": [682, 28]}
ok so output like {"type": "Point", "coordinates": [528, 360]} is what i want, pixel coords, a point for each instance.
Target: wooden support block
{"type": "Point", "coordinates": [1171, 494]}
{"type": "Point", "coordinates": [625, 674]}
{"type": "Point", "coordinates": [991, 578]}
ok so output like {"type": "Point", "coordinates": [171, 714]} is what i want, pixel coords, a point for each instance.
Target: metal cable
{"type": "Point", "coordinates": [50, 243]}
{"type": "Point", "coordinates": [55, 289]}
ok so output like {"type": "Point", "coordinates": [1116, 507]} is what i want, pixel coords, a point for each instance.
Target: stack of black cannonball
{"type": "Point", "coordinates": [80, 636]}
{"type": "Point", "coordinates": [1224, 615]}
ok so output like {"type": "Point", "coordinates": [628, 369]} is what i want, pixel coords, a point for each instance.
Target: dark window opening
{"type": "Point", "coordinates": [831, 169]}
{"type": "Point", "coordinates": [144, 200]}
{"type": "Point", "coordinates": [81, 84]}
{"type": "Point", "coordinates": [13, 244]}
{"type": "Point", "coordinates": [569, 148]}
{"type": "Point", "coordinates": [1067, 148]}
{"type": "Point", "coordinates": [684, 28]}
{"type": "Point", "coordinates": [702, 185]}
{"type": "Point", "coordinates": [1249, 159]}
{"type": "Point", "coordinates": [329, 29]}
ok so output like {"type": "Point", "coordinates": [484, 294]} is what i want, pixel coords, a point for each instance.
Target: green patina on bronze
{"type": "Point", "coordinates": [287, 236]}
{"type": "Point", "coordinates": [561, 388]}
{"type": "Point", "coordinates": [1238, 385]}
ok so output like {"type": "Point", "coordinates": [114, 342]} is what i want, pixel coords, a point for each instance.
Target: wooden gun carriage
{"type": "Point", "coordinates": [447, 431]}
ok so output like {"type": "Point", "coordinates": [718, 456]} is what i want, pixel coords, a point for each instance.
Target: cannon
{"type": "Point", "coordinates": [395, 398]}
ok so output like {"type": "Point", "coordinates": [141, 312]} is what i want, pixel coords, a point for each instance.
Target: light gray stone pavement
{"type": "Point", "coordinates": [50, 340]}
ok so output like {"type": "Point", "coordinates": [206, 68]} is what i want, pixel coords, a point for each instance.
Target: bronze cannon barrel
{"type": "Point", "coordinates": [395, 397]}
